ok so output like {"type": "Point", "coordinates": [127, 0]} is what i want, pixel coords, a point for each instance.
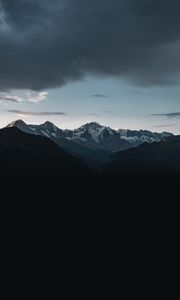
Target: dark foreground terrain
{"type": "Point", "coordinates": [155, 164]}
{"type": "Point", "coordinates": [38, 162]}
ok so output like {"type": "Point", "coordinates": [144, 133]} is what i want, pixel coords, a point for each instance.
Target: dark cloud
{"type": "Point", "coordinates": [46, 43]}
{"type": "Point", "coordinates": [32, 113]}
{"type": "Point", "coordinates": [99, 96]}
{"type": "Point", "coordinates": [168, 115]}
{"type": "Point", "coordinates": [92, 114]}
{"type": "Point", "coordinates": [144, 92]}
{"type": "Point", "coordinates": [109, 112]}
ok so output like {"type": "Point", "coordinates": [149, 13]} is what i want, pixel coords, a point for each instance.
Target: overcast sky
{"type": "Point", "coordinates": [116, 62]}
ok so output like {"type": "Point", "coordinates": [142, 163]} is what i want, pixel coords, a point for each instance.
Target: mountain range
{"type": "Point", "coordinates": [92, 142]}
{"type": "Point", "coordinates": [47, 150]}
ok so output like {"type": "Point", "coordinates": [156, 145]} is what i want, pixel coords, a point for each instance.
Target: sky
{"type": "Point", "coordinates": [75, 61]}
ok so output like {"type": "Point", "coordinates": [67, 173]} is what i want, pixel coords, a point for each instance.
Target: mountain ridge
{"type": "Point", "coordinates": [94, 158]}
{"type": "Point", "coordinates": [24, 154]}
{"type": "Point", "coordinates": [162, 156]}
{"type": "Point", "coordinates": [93, 135]}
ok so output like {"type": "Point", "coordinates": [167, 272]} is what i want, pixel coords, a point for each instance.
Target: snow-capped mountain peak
{"type": "Point", "coordinates": [47, 129]}
{"type": "Point", "coordinates": [88, 131]}
{"type": "Point", "coordinates": [93, 135]}
{"type": "Point", "coordinates": [97, 136]}
{"type": "Point", "coordinates": [21, 125]}
{"type": "Point", "coordinates": [48, 124]}
{"type": "Point", "coordinates": [17, 123]}
{"type": "Point", "coordinates": [91, 126]}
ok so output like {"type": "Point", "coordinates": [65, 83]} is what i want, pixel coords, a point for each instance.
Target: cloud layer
{"type": "Point", "coordinates": [33, 113]}
{"type": "Point", "coordinates": [37, 98]}
{"type": "Point", "coordinates": [47, 43]}
{"type": "Point", "coordinates": [99, 96]}
{"type": "Point", "coordinates": [168, 115]}
{"type": "Point", "coordinates": [8, 98]}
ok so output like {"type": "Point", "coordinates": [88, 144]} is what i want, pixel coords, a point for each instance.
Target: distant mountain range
{"type": "Point", "coordinates": [94, 157]}
{"type": "Point", "coordinates": [92, 136]}
{"type": "Point", "coordinates": [47, 150]}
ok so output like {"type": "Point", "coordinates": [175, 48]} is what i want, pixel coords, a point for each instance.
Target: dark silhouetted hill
{"type": "Point", "coordinates": [26, 154]}
{"type": "Point", "coordinates": [156, 163]}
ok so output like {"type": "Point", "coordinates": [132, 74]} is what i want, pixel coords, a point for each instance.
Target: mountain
{"type": "Point", "coordinates": [47, 129]}
{"type": "Point", "coordinates": [136, 138]}
{"type": "Point", "coordinates": [28, 155]}
{"type": "Point", "coordinates": [35, 157]}
{"type": "Point", "coordinates": [96, 136]}
{"type": "Point", "coordinates": [156, 162]}
{"type": "Point", "coordinates": [91, 156]}
{"type": "Point", "coordinates": [92, 136]}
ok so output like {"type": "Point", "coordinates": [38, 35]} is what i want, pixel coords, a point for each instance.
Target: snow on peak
{"type": "Point", "coordinates": [20, 125]}
{"type": "Point", "coordinates": [48, 124]}
{"type": "Point", "coordinates": [17, 123]}
{"type": "Point", "coordinates": [94, 135]}
{"type": "Point", "coordinates": [91, 126]}
{"type": "Point", "coordinates": [92, 130]}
